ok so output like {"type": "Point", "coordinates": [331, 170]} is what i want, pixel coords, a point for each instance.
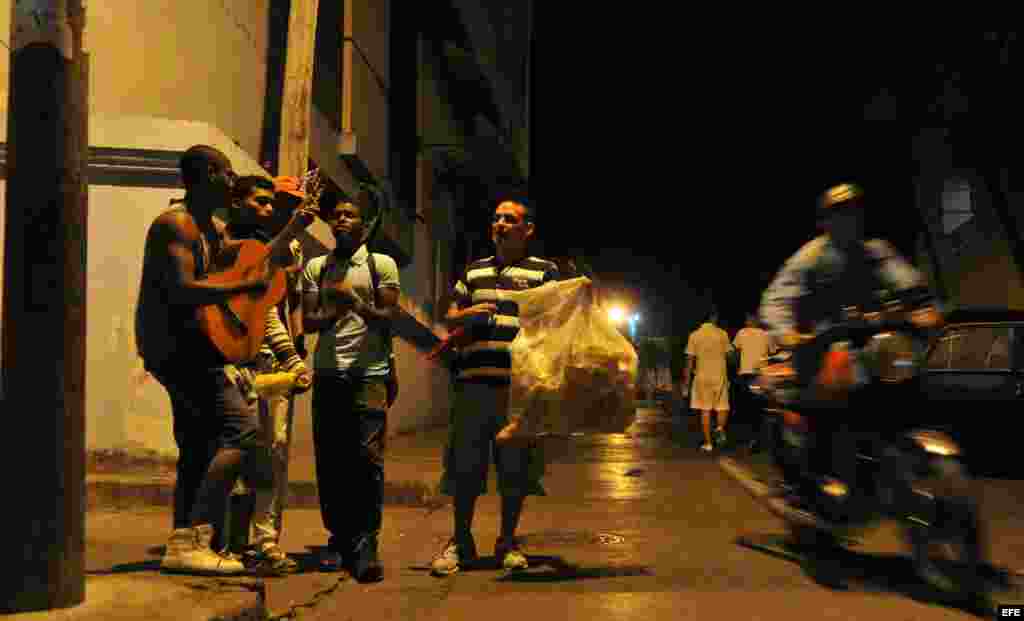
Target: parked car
{"type": "Point", "coordinates": [973, 378]}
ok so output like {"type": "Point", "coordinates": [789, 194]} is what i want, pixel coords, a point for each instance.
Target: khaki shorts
{"type": "Point", "coordinates": [478, 412]}
{"type": "Point", "coordinates": [710, 394]}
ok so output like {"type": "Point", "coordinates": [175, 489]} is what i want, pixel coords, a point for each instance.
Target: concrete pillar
{"type": "Point", "coordinates": [44, 308]}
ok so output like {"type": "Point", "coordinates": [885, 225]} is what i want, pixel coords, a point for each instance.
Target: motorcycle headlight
{"type": "Point", "coordinates": [892, 357]}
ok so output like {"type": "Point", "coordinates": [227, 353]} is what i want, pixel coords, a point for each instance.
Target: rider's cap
{"type": "Point", "coordinates": [840, 196]}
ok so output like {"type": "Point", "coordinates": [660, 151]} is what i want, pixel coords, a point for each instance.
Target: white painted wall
{"type": "Point", "coordinates": [168, 74]}
{"type": "Point", "coordinates": [203, 60]}
{"type": "Point", "coordinates": [125, 408]}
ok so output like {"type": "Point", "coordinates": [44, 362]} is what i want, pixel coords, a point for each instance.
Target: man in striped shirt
{"type": "Point", "coordinates": [480, 407]}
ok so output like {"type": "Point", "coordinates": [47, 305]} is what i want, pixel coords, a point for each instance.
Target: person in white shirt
{"type": "Point", "coordinates": [707, 348]}
{"type": "Point", "coordinates": [754, 345]}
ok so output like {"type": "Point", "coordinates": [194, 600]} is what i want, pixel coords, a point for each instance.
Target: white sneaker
{"type": "Point", "coordinates": [189, 552]}
{"type": "Point", "coordinates": [452, 558]}
{"type": "Point", "coordinates": [511, 557]}
{"type": "Point", "coordinates": [707, 448]}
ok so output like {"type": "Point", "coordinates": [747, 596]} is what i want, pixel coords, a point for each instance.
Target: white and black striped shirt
{"type": "Point", "coordinates": [487, 359]}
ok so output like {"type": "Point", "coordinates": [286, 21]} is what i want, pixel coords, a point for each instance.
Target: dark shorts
{"type": "Point", "coordinates": [478, 412]}
{"type": "Point", "coordinates": [209, 410]}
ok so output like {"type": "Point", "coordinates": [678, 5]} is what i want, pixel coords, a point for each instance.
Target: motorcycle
{"type": "Point", "coordinates": [905, 470]}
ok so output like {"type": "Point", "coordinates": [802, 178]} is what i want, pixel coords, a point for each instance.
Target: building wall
{"type": "Point", "coordinates": [975, 261]}
{"type": "Point", "coordinates": [157, 87]}
{"type": "Point", "coordinates": [125, 408]}
{"type": "Point", "coordinates": [369, 103]}
{"type": "Point", "coordinates": [194, 60]}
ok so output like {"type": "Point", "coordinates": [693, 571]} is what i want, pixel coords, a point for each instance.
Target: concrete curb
{"type": "Point", "coordinates": [155, 598]}
{"type": "Point", "coordinates": [113, 491]}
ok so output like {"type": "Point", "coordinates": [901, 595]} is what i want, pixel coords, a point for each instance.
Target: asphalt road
{"type": "Point", "coordinates": [635, 526]}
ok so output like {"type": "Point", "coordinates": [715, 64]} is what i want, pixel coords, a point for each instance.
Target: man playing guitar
{"type": "Point", "coordinates": [216, 430]}
{"type": "Point", "coordinates": [217, 433]}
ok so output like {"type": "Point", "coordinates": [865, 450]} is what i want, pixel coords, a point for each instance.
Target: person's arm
{"type": "Point", "coordinates": [552, 274]}
{"type": "Point", "coordinates": [385, 313]}
{"type": "Point", "coordinates": [462, 311]}
{"type": "Point", "coordinates": [169, 232]}
{"type": "Point", "coordinates": [691, 360]}
{"type": "Point", "coordinates": [280, 342]}
{"type": "Point", "coordinates": [316, 317]}
{"type": "Point", "coordinates": [896, 272]}
{"type": "Point", "coordinates": [908, 281]}
{"type": "Point", "coordinates": [778, 303]}
{"type": "Point", "coordinates": [346, 300]}
{"type": "Point", "coordinates": [459, 316]}
{"type": "Point", "coordinates": [295, 327]}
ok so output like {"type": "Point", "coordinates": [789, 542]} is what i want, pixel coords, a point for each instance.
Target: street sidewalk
{"type": "Point", "coordinates": [412, 471]}
{"type": "Point", "coordinates": [124, 582]}
{"type": "Point", "coordinates": [605, 525]}
{"type": "Point", "coordinates": [129, 517]}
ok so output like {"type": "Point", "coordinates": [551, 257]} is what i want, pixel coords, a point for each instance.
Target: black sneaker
{"type": "Point", "coordinates": [271, 561]}
{"type": "Point", "coordinates": [366, 565]}
{"type": "Point", "coordinates": [332, 561]}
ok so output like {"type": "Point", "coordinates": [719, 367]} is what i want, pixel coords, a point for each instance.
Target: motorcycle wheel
{"type": "Point", "coordinates": [947, 548]}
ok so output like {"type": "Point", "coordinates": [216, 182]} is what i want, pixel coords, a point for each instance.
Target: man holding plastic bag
{"type": "Point", "coordinates": [514, 325]}
{"type": "Point", "coordinates": [484, 326]}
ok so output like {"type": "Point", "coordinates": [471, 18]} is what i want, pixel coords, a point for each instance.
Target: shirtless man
{"type": "Point", "coordinates": [216, 430]}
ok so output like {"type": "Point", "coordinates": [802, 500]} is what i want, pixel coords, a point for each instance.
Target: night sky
{"type": "Point", "coordinates": [687, 164]}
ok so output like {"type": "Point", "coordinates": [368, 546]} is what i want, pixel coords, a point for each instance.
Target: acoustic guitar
{"type": "Point", "coordinates": [237, 326]}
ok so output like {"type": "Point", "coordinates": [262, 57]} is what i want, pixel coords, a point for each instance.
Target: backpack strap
{"type": "Point", "coordinates": [374, 277]}
{"type": "Point", "coordinates": [375, 283]}
{"type": "Point", "coordinates": [320, 278]}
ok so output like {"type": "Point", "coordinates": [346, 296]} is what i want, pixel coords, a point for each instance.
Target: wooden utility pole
{"type": "Point", "coordinates": [296, 109]}
{"type": "Point", "coordinates": [293, 149]}
{"type": "Point", "coordinates": [44, 307]}
{"type": "Point", "coordinates": [292, 160]}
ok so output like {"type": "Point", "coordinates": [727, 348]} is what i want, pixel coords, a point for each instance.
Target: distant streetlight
{"type": "Point", "coordinates": [616, 314]}
{"type": "Point", "coordinates": [633, 320]}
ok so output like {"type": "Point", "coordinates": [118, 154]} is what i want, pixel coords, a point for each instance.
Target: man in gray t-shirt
{"type": "Point", "coordinates": [350, 385]}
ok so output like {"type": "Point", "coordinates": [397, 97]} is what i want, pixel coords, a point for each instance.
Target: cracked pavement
{"type": "Point", "coordinates": [635, 526]}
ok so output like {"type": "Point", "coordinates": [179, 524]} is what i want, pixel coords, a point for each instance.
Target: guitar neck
{"type": "Point", "coordinates": [312, 185]}
{"type": "Point", "coordinates": [291, 231]}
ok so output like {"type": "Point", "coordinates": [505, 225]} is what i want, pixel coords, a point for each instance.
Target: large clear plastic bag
{"type": "Point", "coordinates": [572, 370]}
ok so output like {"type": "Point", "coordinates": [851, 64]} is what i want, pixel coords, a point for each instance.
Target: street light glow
{"type": "Point", "coordinates": [616, 314]}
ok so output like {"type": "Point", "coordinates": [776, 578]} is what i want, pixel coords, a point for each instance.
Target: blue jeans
{"type": "Point", "coordinates": [210, 414]}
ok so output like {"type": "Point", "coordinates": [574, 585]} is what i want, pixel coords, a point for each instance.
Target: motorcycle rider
{"type": "Point", "coordinates": [836, 270]}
